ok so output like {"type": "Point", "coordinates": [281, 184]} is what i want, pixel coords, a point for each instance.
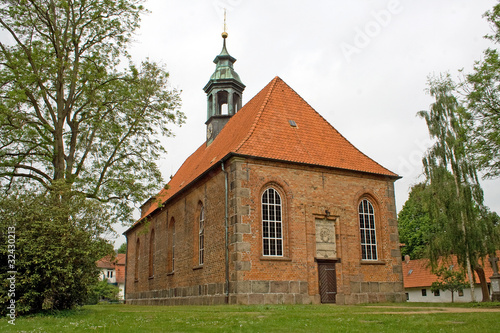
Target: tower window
{"type": "Point", "coordinates": [222, 103]}
{"type": "Point", "coordinates": [236, 102]}
{"type": "Point", "coordinates": [224, 109]}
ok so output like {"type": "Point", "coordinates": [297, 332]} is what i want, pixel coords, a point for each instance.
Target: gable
{"type": "Point", "coordinates": [262, 129]}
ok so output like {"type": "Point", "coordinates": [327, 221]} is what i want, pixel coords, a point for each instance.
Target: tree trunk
{"type": "Point", "coordinates": [484, 284]}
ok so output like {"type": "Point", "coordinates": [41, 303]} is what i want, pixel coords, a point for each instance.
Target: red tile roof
{"type": "Point", "coordinates": [417, 274]}
{"type": "Point", "coordinates": [262, 129]}
{"type": "Point", "coordinates": [118, 263]}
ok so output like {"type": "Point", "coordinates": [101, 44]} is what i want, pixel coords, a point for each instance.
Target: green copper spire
{"type": "Point", "coordinates": [224, 92]}
{"type": "Point", "coordinates": [224, 64]}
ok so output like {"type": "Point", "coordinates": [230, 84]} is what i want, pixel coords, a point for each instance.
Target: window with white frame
{"type": "Point", "coordinates": [367, 231]}
{"type": "Point", "coordinates": [272, 229]}
{"type": "Point", "coordinates": [201, 237]}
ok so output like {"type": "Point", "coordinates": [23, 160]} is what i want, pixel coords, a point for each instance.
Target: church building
{"type": "Point", "coordinates": [276, 207]}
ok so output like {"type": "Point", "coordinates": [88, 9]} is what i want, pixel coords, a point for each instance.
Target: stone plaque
{"type": "Point", "coordinates": [326, 248]}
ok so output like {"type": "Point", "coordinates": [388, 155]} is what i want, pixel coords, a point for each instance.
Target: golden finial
{"type": "Point", "coordinates": [224, 34]}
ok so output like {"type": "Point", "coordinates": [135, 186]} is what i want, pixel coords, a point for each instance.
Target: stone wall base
{"type": "Point", "coordinates": [360, 298]}
{"type": "Point", "coordinates": [265, 292]}
{"type": "Point", "coordinates": [244, 292]}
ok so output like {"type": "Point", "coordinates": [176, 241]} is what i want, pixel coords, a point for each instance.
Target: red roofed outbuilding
{"type": "Point", "coordinates": [113, 271]}
{"type": "Point", "coordinates": [275, 207]}
{"type": "Point", "coordinates": [418, 280]}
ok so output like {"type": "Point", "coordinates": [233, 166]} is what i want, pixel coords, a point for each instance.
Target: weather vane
{"type": "Point", "coordinates": [224, 34]}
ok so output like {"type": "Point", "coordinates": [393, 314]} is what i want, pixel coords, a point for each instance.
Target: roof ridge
{"type": "Point", "coordinates": [264, 103]}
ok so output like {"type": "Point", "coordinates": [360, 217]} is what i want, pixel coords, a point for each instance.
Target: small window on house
{"type": "Point", "coordinates": [436, 293]}
{"type": "Point", "coordinates": [367, 231]}
{"type": "Point", "coordinates": [424, 292]}
{"type": "Point", "coordinates": [110, 274]}
{"type": "Point", "coordinates": [272, 235]}
{"type": "Point", "coordinates": [201, 237]}
{"type": "Point", "coordinates": [407, 296]}
{"type": "Point", "coordinates": [461, 293]}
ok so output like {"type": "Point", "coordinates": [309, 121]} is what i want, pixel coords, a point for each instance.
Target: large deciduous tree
{"type": "Point", "coordinates": [455, 198]}
{"type": "Point", "coordinates": [482, 88]}
{"type": "Point", "coordinates": [69, 110]}
{"type": "Point", "coordinates": [414, 224]}
{"type": "Point", "coordinates": [80, 126]}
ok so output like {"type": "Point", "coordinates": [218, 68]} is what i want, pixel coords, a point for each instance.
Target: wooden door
{"type": "Point", "coordinates": [327, 282]}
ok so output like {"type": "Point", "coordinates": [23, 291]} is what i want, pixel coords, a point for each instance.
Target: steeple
{"type": "Point", "coordinates": [224, 92]}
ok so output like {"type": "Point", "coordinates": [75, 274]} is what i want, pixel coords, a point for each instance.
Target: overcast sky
{"type": "Point", "coordinates": [363, 65]}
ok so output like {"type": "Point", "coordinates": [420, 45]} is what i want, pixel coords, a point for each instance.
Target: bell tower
{"type": "Point", "coordinates": [224, 91]}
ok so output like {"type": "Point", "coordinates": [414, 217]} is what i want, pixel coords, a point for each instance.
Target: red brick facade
{"type": "Point", "coordinates": [309, 193]}
{"type": "Point", "coordinates": [320, 179]}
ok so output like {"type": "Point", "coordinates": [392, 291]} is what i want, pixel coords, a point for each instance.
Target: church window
{"type": "Point", "coordinates": [171, 244]}
{"type": "Point", "coordinates": [367, 231]}
{"type": "Point", "coordinates": [152, 254]}
{"type": "Point", "coordinates": [201, 237]}
{"type": "Point", "coordinates": [136, 264]}
{"type": "Point", "coordinates": [272, 235]}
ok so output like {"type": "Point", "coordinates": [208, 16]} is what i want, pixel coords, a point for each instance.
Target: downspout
{"type": "Point", "coordinates": [226, 229]}
{"type": "Point", "coordinates": [126, 265]}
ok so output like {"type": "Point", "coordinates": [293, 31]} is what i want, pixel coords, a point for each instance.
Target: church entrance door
{"type": "Point", "coordinates": [327, 281]}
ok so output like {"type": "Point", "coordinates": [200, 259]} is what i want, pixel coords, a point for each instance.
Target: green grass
{"type": "Point", "coordinates": [409, 317]}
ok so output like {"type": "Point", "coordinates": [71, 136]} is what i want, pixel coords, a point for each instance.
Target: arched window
{"type": "Point", "coordinates": [136, 263]}
{"type": "Point", "coordinates": [201, 237]}
{"type": "Point", "coordinates": [171, 245]}
{"type": "Point", "coordinates": [272, 235]}
{"type": "Point", "coordinates": [367, 230]}
{"type": "Point", "coordinates": [222, 103]}
{"type": "Point", "coordinates": [152, 254]}
{"type": "Point", "coordinates": [236, 102]}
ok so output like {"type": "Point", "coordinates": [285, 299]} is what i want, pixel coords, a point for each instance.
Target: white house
{"type": "Point", "coordinates": [418, 279]}
{"type": "Point", "coordinates": [113, 271]}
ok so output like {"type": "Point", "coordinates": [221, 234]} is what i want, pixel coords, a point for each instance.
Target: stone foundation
{"type": "Point", "coordinates": [373, 292]}
{"type": "Point", "coordinates": [245, 292]}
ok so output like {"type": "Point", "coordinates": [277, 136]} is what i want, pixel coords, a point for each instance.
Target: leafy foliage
{"type": "Point", "coordinates": [449, 279]}
{"type": "Point", "coordinates": [68, 112]}
{"type": "Point", "coordinates": [414, 224]}
{"type": "Point", "coordinates": [482, 89]}
{"type": "Point", "coordinates": [123, 248]}
{"type": "Point", "coordinates": [79, 137]}
{"type": "Point", "coordinates": [103, 290]}
{"type": "Point", "coordinates": [56, 250]}
{"type": "Point", "coordinates": [455, 198]}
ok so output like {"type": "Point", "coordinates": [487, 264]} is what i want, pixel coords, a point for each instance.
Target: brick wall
{"type": "Point", "coordinates": [308, 193]}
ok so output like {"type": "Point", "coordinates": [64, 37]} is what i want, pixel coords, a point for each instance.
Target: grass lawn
{"type": "Point", "coordinates": [409, 317]}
